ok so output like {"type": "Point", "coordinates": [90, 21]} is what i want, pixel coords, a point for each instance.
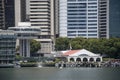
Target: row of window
{"type": "Point", "coordinates": [80, 0]}
{"type": "Point", "coordinates": [79, 4]}
{"type": "Point", "coordinates": [72, 7]}
{"type": "Point", "coordinates": [81, 13]}
{"type": "Point", "coordinates": [40, 25]}
{"type": "Point", "coordinates": [81, 17]}
{"type": "Point", "coordinates": [76, 20]}
{"type": "Point", "coordinates": [82, 34]}
{"type": "Point", "coordinates": [7, 37]}
{"type": "Point", "coordinates": [92, 24]}
{"type": "Point", "coordinates": [28, 29]}
{"type": "Point", "coordinates": [82, 27]}
{"type": "Point", "coordinates": [39, 5]}
{"type": "Point", "coordinates": [82, 4]}
{"type": "Point", "coordinates": [74, 0]}
{"type": "Point", "coordinates": [77, 10]}
{"type": "Point", "coordinates": [40, 1]}
{"type": "Point", "coordinates": [82, 31]}
{"type": "Point", "coordinates": [76, 14]}
{"type": "Point", "coordinates": [39, 14]}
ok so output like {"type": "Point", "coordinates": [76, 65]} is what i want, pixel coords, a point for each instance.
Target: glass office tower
{"type": "Point", "coordinates": [114, 18]}
{"type": "Point", "coordinates": [7, 46]}
{"type": "Point", "coordinates": [104, 18]}
{"type": "Point", "coordinates": [78, 18]}
{"type": "Point", "coordinates": [6, 14]}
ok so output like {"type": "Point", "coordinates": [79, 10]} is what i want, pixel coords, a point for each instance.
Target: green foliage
{"type": "Point", "coordinates": [62, 44]}
{"type": "Point", "coordinates": [57, 60]}
{"type": "Point", "coordinates": [110, 47]}
{"type": "Point", "coordinates": [34, 46]}
{"type": "Point", "coordinates": [18, 57]}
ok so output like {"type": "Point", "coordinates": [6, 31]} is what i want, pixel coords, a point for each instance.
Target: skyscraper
{"type": "Point", "coordinates": [2, 17]}
{"type": "Point", "coordinates": [7, 46]}
{"type": "Point", "coordinates": [41, 14]}
{"type": "Point", "coordinates": [114, 18]}
{"type": "Point", "coordinates": [78, 18]}
{"type": "Point", "coordinates": [103, 18]}
{"type": "Point", "coordinates": [82, 18]}
{"type": "Point", "coordinates": [56, 18]}
{"type": "Point", "coordinates": [6, 14]}
{"type": "Point", "coordinates": [20, 11]}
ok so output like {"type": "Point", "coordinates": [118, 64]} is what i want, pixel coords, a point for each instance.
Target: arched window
{"type": "Point", "coordinates": [98, 60]}
{"type": "Point", "coordinates": [72, 59]}
{"type": "Point", "coordinates": [85, 59]}
{"type": "Point", "coordinates": [91, 59]}
{"type": "Point", "coordinates": [78, 59]}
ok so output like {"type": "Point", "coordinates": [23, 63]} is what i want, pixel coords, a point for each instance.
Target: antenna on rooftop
{"type": "Point", "coordinates": [70, 47]}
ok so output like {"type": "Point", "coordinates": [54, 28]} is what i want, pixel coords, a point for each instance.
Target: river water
{"type": "Point", "coordinates": [59, 74]}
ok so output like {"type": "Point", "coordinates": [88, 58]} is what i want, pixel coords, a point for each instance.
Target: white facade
{"type": "Point", "coordinates": [63, 18]}
{"type": "Point", "coordinates": [82, 55]}
{"type": "Point", "coordinates": [79, 18]}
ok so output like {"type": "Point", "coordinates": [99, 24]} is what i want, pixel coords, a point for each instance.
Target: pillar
{"type": "Point", "coordinates": [24, 47]}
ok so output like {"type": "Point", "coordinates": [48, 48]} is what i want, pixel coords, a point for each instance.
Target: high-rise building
{"type": "Point", "coordinates": [41, 14]}
{"type": "Point", "coordinates": [78, 18]}
{"type": "Point", "coordinates": [6, 14]}
{"type": "Point", "coordinates": [2, 17]}
{"type": "Point", "coordinates": [56, 18]}
{"type": "Point", "coordinates": [20, 11]}
{"type": "Point", "coordinates": [114, 18]}
{"type": "Point", "coordinates": [7, 46]}
{"type": "Point", "coordinates": [82, 18]}
{"type": "Point", "coordinates": [103, 18]}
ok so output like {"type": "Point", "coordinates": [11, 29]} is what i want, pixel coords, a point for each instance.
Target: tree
{"type": "Point", "coordinates": [34, 46]}
{"type": "Point", "coordinates": [109, 47]}
{"type": "Point", "coordinates": [62, 44]}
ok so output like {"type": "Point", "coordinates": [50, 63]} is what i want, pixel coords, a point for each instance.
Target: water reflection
{"type": "Point", "coordinates": [60, 74]}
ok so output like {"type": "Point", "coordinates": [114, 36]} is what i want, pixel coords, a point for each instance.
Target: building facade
{"type": "Point", "coordinates": [104, 18]}
{"type": "Point", "coordinates": [81, 18]}
{"type": "Point", "coordinates": [2, 15]}
{"type": "Point", "coordinates": [6, 14]}
{"type": "Point", "coordinates": [114, 18]}
{"type": "Point", "coordinates": [25, 33]}
{"type": "Point", "coordinates": [78, 18]}
{"type": "Point", "coordinates": [41, 14]}
{"type": "Point", "coordinates": [7, 46]}
{"type": "Point", "coordinates": [82, 56]}
{"type": "Point", "coordinates": [20, 11]}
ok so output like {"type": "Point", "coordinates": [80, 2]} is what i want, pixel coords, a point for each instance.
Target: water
{"type": "Point", "coordinates": [60, 74]}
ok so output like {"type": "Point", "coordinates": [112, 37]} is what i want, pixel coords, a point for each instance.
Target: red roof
{"type": "Point", "coordinates": [70, 52]}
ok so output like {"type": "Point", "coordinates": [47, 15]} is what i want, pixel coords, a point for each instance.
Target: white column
{"type": "Point", "coordinates": [75, 59]}
{"type": "Point", "coordinates": [81, 59]}
{"type": "Point", "coordinates": [68, 58]}
{"type": "Point", "coordinates": [27, 48]}
{"type": "Point", "coordinates": [101, 59]}
{"type": "Point", "coordinates": [24, 47]}
{"type": "Point", "coordinates": [21, 48]}
{"type": "Point", "coordinates": [88, 58]}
